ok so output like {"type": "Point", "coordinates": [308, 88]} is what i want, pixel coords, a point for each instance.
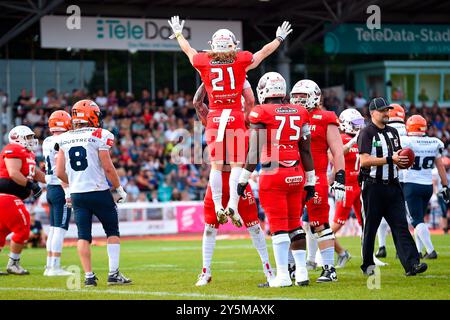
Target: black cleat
{"type": "Point", "coordinates": [328, 274]}
{"type": "Point", "coordinates": [381, 253]}
{"type": "Point", "coordinates": [90, 282]}
{"type": "Point", "coordinates": [432, 255]}
{"type": "Point", "coordinates": [118, 279]}
{"type": "Point", "coordinates": [291, 268]}
{"type": "Point", "coordinates": [417, 268]}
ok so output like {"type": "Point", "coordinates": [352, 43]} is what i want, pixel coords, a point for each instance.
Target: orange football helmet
{"type": "Point", "coordinates": [86, 111]}
{"type": "Point", "coordinates": [416, 126]}
{"type": "Point", "coordinates": [60, 121]}
{"type": "Point", "coordinates": [396, 114]}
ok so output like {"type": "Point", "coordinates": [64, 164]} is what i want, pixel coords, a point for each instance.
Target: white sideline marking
{"type": "Point", "coordinates": [149, 293]}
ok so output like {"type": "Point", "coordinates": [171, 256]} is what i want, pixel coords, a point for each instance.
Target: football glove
{"type": "Point", "coordinates": [338, 186]}
{"type": "Point", "coordinates": [35, 188]}
{"type": "Point", "coordinates": [122, 195]}
{"type": "Point", "coordinates": [241, 189]}
{"type": "Point", "coordinates": [177, 28]}
{"type": "Point", "coordinates": [445, 194]}
{"type": "Point", "coordinates": [283, 31]}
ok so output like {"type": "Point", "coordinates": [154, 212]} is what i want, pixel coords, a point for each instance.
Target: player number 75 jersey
{"type": "Point", "coordinates": [81, 151]}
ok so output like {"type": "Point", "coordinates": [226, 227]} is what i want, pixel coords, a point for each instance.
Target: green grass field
{"type": "Point", "coordinates": [169, 269]}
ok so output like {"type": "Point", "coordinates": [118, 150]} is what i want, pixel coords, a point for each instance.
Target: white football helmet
{"type": "Point", "coordinates": [351, 121]}
{"type": "Point", "coordinates": [271, 85]}
{"type": "Point", "coordinates": [312, 91]}
{"type": "Point", "coordinates": [223, 40]}
{"type": "Point", "coordinates": [24, 136]}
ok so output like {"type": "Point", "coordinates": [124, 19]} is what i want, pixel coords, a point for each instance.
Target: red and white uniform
{"type": "Point", "coordinates": [352, 189]}
{"type": "Point", "coordinates": [224, 83]}
{"type": "Point", "coordinates": [247, 207]}
{"type": "Point", "coordinates": [318, 207]}
{"type": "Point", "coordinates": [16, 151]}
{"type": "Point", "coordinates": [281, 189]}
{"type": "Point", "coordinates": [14, 218]}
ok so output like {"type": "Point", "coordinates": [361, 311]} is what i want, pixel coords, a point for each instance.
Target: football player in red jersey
{"type": "Point", "coordinates": [351, 121]}
{"type": "Point", "coordinates": [325, 135]}
{"type": "Point", "coordinates": [18, 176]}
{"type": "Point", "coordinates": [280, 140]}
{"type": "Point", "coordinates": [247, 205]}
{"type": "Point", "coordinates": [223, 71]}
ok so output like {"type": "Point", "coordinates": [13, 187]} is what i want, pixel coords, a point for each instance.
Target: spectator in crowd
{"type": "Point", "coordinates": [359, 101]}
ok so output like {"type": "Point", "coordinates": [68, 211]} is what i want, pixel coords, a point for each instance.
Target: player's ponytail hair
{"type": "Point", "coordinates": [222, 56]}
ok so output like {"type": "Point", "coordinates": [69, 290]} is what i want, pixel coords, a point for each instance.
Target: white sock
{"type": "Point", "coordinates": [281, 243]}
{"type": "Point", "coordinates": [234, 179]}
{"type": "Point", "coordinates": [48, 245]}
{"type": "Point", "coordinates": [56, 262]}
{"type": "Point", "coordinates": [424, 235]}
{"type": "Point", "coordinates": [419, 244]}
{"type": "Point", "coordinates": [89, 274]}
{"type": "Point", "coordinates": [57, 244]}
{"type": "Point", "coordinates": [215, 181]}
{"type": "Point", "coordinates": [300, 258]}
{"type": "Point", "coordinates": [382, 232]}
{"type": "Point", "coordinates": [311, 243]}
{"type": "Point", "coordinates": [328, 256]}
{"type": "Point", "coordinates": [113, 255]}
{"type": "Point", "coordinates": [259, 242]}
{"type": "Point", "coordinates": [291, 259]}
{"type": "Point", "coordinates": [14, 256]}
{"type": "Point", "coordinates": [208, 244]}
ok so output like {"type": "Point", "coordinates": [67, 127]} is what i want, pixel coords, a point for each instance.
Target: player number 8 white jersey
{"type": "Point", "coordinates": [83, 166]}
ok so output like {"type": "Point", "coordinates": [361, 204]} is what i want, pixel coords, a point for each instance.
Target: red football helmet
{"type": "Point", "coordinates": [86, 111]}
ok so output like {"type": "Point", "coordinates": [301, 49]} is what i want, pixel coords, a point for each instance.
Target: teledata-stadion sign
{"type": "Point", "coordinates": [129, 34]}
{"type": "Point", "coordinates": [391, 38]}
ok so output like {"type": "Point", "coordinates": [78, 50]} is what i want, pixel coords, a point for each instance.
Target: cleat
{"type": "Point", "coordinates": [118, 278]}
{"type": "Point", "coordinates": [328, 274]}
{"type": "Point", "coordinates": [417, 268]}
{"type": "Point", "coordinates": [280, 281]}
{"type": "Point", "coordinates": [203, 279]}
{"type": "Point", "coordinates": [301, 277]}
{"type": "Point", "coordinates": [58, 272]}
{"type": "Point", "coordinates": [235, 217]}
{"type": "Point", "coordinates": [221, 216]}
{"type": "Point", "coordinates": [342, 260]}
{"type": "Point", "coordinates": [379, 262]}
{"type": "Point", "coordinates": [15, 268]}
{"type": "Point", "coordinates": [432, 255]}
{"type": "Point", "coordinates": [91, 282]}
{"type": "Point", "coordinates": [264, 285]}
{"type": "Point", "coordinates": [370, 271]}
{"type": "Point", "coordinates": [291, 268]}
{"type": "Point", "coordinates": [311, 265]}
{"type": "Point", "coordinates": [421, 256]}
{"type": "Point", "coordinates": [381, 253]}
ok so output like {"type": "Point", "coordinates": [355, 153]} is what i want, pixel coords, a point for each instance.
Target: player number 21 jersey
{"type": "Point", "coordinates": [81, 151]}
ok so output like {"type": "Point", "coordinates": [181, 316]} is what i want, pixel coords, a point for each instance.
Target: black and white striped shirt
{"type": "Point", "coordinates": [379, 143]}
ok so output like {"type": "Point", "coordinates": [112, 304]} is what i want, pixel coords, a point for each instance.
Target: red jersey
{"type": "Point", "coordinates": [16, 151]}
{"type": "Point", "coordinates": [224, 81]}
{"type": "Point", "coordinates": [351, 166]}
{"type": "Point", "coordinates": [319, 121]}
{"type": "Point", "coordinates": [284, 124]}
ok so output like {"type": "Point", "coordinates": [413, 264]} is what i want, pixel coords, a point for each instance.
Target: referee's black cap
{"type": "Point", "coordinates": [379, 104]}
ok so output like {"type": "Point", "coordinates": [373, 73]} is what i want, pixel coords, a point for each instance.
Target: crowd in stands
{"type": "Point", "coordinates": [146, 132]}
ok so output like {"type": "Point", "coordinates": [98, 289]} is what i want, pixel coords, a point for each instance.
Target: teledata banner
{"type": "Point", "coordinates": [391, 38]}
{"type": "Point", "coordinates": [129, 34]}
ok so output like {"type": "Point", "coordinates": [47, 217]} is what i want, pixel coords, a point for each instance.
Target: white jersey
{"type": "Point", "coordinates": [83, 166]}
{"type": "Point", "coordinates": [401, 128]}
{"type": "Point", "coordinates": [426, 149]}
{"type": "Point", "coordinates": [49, 150]}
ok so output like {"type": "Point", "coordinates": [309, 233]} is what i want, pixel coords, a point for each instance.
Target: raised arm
{"type": "Point", "coordinates": [282, 32]}
{"type": "Point", "coordinates": [200, 107]}
{"type": "Point", "coordinates": [177, 29]}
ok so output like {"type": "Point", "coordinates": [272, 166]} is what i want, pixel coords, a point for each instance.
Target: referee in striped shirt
{"type": "Point", "coordinates": [381, 192]}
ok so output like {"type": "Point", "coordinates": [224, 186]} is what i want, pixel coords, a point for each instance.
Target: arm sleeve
{"type": "Point", "coordinates": [365, 142]}
{"type": "Point", "coordinates": [257, 115]}
{"type": "Point", "coordinates": [107, 140]}
{"type": "Point", "coordinates": [305, 125]}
